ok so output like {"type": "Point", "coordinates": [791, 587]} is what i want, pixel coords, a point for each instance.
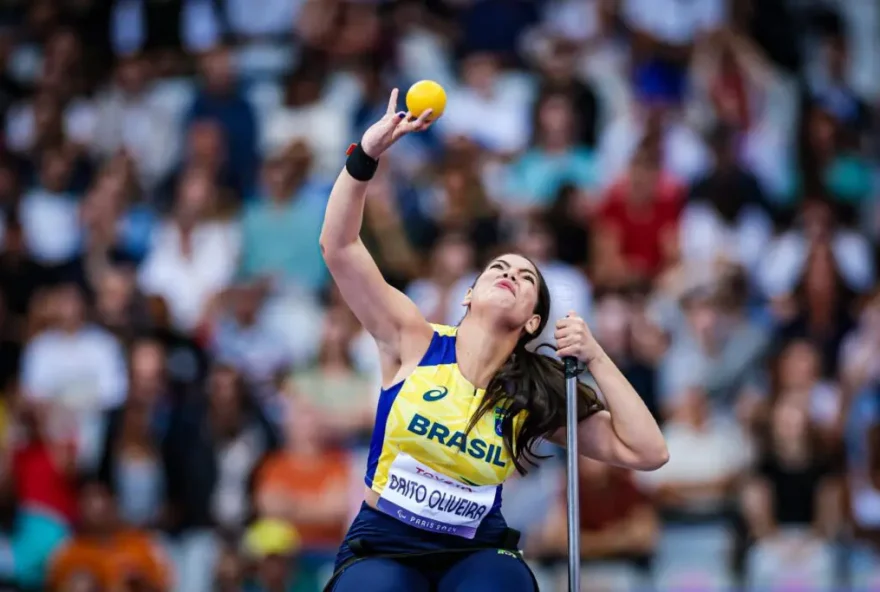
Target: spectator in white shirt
{"type": "Point", "coordinates": [77, 366]}
{"type": "Point", "coordinates": [307, 115]}
{"type": "Point", "coordinates": [193, 256]}
{"type": "Point", "coordinates": [486, 109]}
{"type": "Point", "coordinates": [128, 120]}
{"type": "Point", "coordinates": [708, 453]}
{"type": "Point", "coordinates": [726, 217]}
{"type": "Point", "coordinates": [49, 214]}
{"type": "Point", "coordinates": [785, 261]}
{"type": "Point", "coordinates": [684, 154]}
{"type": "Point", "coordinates": [242, 340]}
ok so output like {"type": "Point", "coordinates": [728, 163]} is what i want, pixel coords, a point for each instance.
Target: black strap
{"type": "Point", "coordinates": [360, 165]}
{"type": "Point", "coordinates": [511, 538]}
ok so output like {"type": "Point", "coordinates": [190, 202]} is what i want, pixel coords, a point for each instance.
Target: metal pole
{"type": "Point", "coordinates": [572, 369]}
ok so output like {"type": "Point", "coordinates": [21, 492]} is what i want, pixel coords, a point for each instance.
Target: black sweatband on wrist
{"type": "Point", "coordinates": [360, 165]}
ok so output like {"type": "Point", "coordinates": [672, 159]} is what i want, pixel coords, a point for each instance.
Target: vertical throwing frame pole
{"type": "Point", "coordinates": [572, 370]}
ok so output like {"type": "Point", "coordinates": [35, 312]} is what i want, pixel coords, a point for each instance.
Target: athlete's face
{"type": "Point", "coordinates": [510, 284]}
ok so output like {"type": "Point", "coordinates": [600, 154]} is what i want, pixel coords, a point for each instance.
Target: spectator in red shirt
{"type": "Point", "coordinates": [41, 468]}
{"type": "Point", "coordinates": [635, 227]}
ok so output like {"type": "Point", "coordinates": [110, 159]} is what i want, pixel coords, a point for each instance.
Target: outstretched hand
{"type": "Point", "coordinates": [393, 126]}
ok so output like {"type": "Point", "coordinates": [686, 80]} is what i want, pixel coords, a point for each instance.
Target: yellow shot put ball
{"type": "Point", "coordinates": [426, 94]}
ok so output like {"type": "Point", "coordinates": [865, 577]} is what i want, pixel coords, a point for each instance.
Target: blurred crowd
{"type": "Point", "coordinates": [186, 403]}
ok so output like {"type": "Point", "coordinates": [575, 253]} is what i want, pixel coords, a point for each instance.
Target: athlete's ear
{"type": "Point", "coordinates": [532, 324]}
{"type": "Point", "coordinates": [467, 298]}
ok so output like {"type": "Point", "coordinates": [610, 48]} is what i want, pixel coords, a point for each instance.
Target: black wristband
{"type": "Point", "coordinates": [360, 165]}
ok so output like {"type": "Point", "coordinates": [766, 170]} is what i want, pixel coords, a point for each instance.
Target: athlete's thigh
{"type": "Point", "coordinates": [380, 575]}
{"type": "Point", "coordinates": [488, 571]}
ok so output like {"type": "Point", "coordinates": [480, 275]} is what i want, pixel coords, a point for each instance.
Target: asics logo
{"type": "Point", "coordinates": [435, 394]}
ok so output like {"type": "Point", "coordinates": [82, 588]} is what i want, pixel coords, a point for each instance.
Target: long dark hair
{"type": "Point", "coordinates": [532, 383]}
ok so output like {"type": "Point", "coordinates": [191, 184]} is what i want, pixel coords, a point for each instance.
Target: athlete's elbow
{"type": "Point", "coordinates": [331, 250]}
{"type": "Point", "coordinates": [654, 458]}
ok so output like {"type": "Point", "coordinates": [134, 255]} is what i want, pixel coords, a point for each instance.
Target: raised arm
{"type": "Point", "coordinates": [400, 330]}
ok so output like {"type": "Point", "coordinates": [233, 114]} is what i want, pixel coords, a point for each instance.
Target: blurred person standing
{"type": "Point", "coordinates": [194, 252]}
{"type": "Point", "coordinates": [78, 366]}
{"type": "Point", "coordinates": [792, 505]}
{"type": "Point", "coordinates": [118, 221]}
{"type": "Point", "coordinates": [240, 338]}
{"type": "Point", "coordinates": [205, 147]}
{"type": "Point", "coordinates": [213, 445]}
{"type": "Point", "coordinates": [834, 162]}
{"type": "Point", "coordinates": [657, 113]}
{"type": "Point", "coordinates": [308, 484]}
{"type": "Point", "coordinates": [452, 271]}
{"type": "Point", "coordinates": [220, 99]}
{"type": "Point", "coordinates": [49, 212]}
{"type": "Point", "coordinates": [810, 275]}
{"type": "Point", "coordinates": [307, 116]}
{"type": "Point", "coordinates": [117, 556]}
{"type": "Point", "coordinates": [119, 308]}
{"type": "Point", "coordinates": [695, 493]}
{"type": "Point", "coordinates": [280, 230]}
{"type": "Point", "coordinates": [555, 160]}
{"type": "Point", "coordinates": [817, 230]}
{"type": "Point", "coordinates": [726, 217]}
{"type": "Point", "coordinates": [735, 85]}
{"type": "Point", "coordinates": [40, 464]}
{"type": "Point", "coordinates": [635, 230]}
{"type": "Point", "coordinates": [798, 381]}
{"type": "Point", "coordinates": [341, 393]}
{"type": "Point", "coordinates": [59, 112]}
{"type": "Point", "coordinates": [559, 65]}
{"type": "Point", "coordinates": [128, 119]}
{"type": "Point", "coordinates": [664, 35]}
{"type": "Point", "coordinates": [459, 202]}
{"type": "Point", "coordinates": [132, 464]}
{"type": "Point", "coordinates": [715, 346]}
{"type": "Point", "coordinates": [619, 528]}
{"type": "Point", "coordinates": [485, 107]}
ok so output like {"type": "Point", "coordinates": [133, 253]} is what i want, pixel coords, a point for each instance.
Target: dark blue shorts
{"type": "Point", "coordinates": [425, 561]}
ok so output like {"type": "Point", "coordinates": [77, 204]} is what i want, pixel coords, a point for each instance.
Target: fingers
{"type": "Point", "coordinates": [567, 341]}
{"type": "Point", "coordinates": [392, 102]}
{"type": "Point", "coordinates": [423, 121]}
{"type": "Point", "coordinates": [417, 125]}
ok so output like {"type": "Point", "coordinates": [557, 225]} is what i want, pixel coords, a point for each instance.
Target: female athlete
{"type": "Point", "coordinates": [461, 408]}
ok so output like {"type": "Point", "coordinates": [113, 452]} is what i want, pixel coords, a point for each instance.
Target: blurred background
{"type": "Point", "coordinates": [186, 403]}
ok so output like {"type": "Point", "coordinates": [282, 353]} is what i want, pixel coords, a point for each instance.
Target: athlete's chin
{"type": "Point", "coordinates": [503, 308]}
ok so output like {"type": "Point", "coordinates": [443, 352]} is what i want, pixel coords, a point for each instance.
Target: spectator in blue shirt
{"type": "Point", "coordinates": [555, 161]}
{"type": "Point", "coordinates": [280, 231]}
{"type": "Point", "coordinates": [221, 99]}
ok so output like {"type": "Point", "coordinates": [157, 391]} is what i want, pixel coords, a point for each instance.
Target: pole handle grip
{"type": "Point", "coordinates": [573, 367]}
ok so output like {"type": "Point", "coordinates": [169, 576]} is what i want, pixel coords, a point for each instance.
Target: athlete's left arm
{"type": "Point", "coordinates": [625, 434]}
